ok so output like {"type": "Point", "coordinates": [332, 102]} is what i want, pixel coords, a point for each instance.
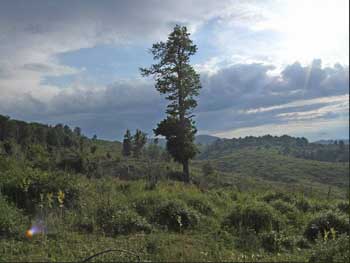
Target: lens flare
{"type": "Point", "coordinates": [29, 233]}
{"type": "Point", "coordinates": [35, 229]}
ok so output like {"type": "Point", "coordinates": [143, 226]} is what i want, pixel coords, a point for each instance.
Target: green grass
{"type": "Point", "coordinates": [69, 237]}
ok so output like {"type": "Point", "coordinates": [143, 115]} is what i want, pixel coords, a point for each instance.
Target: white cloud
{"type": "Point", "coordinates": [320, 129]}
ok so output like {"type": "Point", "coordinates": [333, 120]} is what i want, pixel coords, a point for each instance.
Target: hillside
{"type": "Point", "coordinates": [248, 200]}
{"type": "Point", "coordinates": [286, 145]}
{"type": "Point", "coordinates": [346, 141]}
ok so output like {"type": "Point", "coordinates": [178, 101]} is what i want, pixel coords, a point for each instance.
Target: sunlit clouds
{"type": "Point", "coordinates": [272, 63]}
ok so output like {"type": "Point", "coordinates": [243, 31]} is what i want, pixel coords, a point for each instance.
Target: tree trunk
{"type": "Point", "coordinates": [186, 171]}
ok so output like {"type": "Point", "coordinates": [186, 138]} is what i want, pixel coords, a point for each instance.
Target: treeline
{"type": "Point", "coordinates": [286, 145]}
{"type": "Point", "coordinates": [59, 147]}
{"type": "Point", "coordinates": [24, 134]}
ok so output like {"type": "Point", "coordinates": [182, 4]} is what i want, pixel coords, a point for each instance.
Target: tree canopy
{"type": "Point", "coordinates": [177, 79]}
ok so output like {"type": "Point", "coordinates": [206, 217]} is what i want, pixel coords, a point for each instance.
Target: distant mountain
{"type": "Point", "coordinates": [346, 141]}
{"type": "Point", "coordinates": [205, 139]}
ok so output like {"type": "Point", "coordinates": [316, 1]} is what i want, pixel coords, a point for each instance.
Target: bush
{"type": "Point", "coordinates": [344, 207]}
{"type": "Point", "coordinates": [283, 207]}
{"type": "Point", "coordinates": [247, 239]}
{"type": "Point", "coordinates": [271, 241]}
{"type": "Point", "coordinates": [11, 219]}
{"type": "Point", "coordinates": [202, 206]}
{"type": "Point", "coordinates": [147, 206]}
{"type": "Point", "coordinates": [257, 216]}
{"type": "Point", "coordinates": [288, 210]}
{"type": "Point", "coordinates": [23, 186]}
{"type": "Point", "coordinates": [175, 216]}
{"type": "Point", "coordinates": [325, 222]}
{"type": "Point", "coordinates": [302, 243]}
{"type": "Point", "coordinates": [303, 205]}
{"type": "Point", "coordinates": [274, 241]}
{"type": "Point", "coordinates": [273, 196]}
{"type": "Point", "coordinates": [329, 251]}
{"type": "Point", "coordinates": [115, 221]}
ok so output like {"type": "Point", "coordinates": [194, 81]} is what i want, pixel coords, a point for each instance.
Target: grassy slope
{"type": "Point", "coordinates": [250, 171]}
{"type": "Point", "coordinates": [66, 241]}
{"type": "Point", "coordinates": [268, 166]}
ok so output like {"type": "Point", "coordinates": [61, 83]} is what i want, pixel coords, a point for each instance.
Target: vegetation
{"type": "Point", "coordinates": [285, 145]}
{"type": "Point", "coordinates": [65, 197]}
{"type": "Point", "coordinates": [176, 78]}
{"type": "Point", "coordinates": [253, 203]}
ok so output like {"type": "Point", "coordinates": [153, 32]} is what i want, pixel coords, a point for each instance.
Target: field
{"type": "Point", "coordinates": [252, 203]}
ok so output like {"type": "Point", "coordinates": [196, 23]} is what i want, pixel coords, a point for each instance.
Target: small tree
{"type": "Point", "coordinates": [176, 78]}
{"type": "Point", "coordinates": [127, 144]}
{"type": "Point", "coordinates": [139, 141]}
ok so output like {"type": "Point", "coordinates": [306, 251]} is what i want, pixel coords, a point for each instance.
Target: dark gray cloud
{"type": "Point", "coordinates": [33, 33]}
{"type": "Point", "coordinates": [243, 95]}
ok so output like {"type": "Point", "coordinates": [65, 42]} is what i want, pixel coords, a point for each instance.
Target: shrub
{"type": "Point", "coordinates": [325, 222]}
{"type": "Point", "coordinates": [271, 241]}
{"type": "Point", "coordinates": [202, 206]}
{"type": "Point", "coordinates": [344, 207]}
{"type": "Point", "coordinates": [114, 221]}
{"type": "Point", "coordinates": [147, 206]}
{"type": "Point", "coordinates": [331, 250]}
{"type": "Point", "coordinates": [23, 186]}
{"type": "Point", "coordinates": [283, 207]}
{"type": "Point", "coordinates": [274, 241]}
{"type": "Point", "coordinates": [302, 242]}
{"type": "Point", "coordinates": [175, 216]}
{"type": "Point", "coordinates": [288, 210]}
{"type": "Point", "coordinates": [303, 205]}
{"type": "Point", "coordinates": [273, 196]}
{"type": "Point", "coordinates": [257, 216]}
{"type": "Point", "coordinates": [11, 220]}
{"type": "Point", "coordinates": [247, 239]}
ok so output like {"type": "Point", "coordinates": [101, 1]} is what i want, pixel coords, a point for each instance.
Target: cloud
{"type": "Point", "coordinates": [237, 97]}
{"type": "Point", "coordinates": [247, 94]}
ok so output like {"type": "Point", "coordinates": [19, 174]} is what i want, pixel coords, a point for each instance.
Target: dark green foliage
{"type": "Point", "coordinates": [302, 242]}
{"type": "Point", "coordinates": [127, 143]}
{"type": "Point", "coordinates": [324, 222]}
{"type": "Point", "coordinates": [288, 210]}
{"type": "Point", "coordinates": [274, 242]}
{"type": "Point", "coordinates": [201, 205]}
{"type": "Point", "coordinates": [175, 216]}
{"type": "Point", "coordinates": [283, 207]}
{"type": "Point", "coordinates": [38, 155]}
{"type": "Point", "coordinates": [247, 240]}
{"type": "Point", "coordinates": [273, 196]}
{"type": "Point", "coordinates": [119, 220]}
{"type": "Point", "coordinates": [333, 250]}
{"type": "Point", "coordinates": [147, 206]}
{"type": "Point", "coordinates": [303, 205]}
{"type": "Point", "coordinates": [93, 149]}
{"type": "Point", "coordinates": [177, 79]}
{"type": "Point", "coordinates": [23, 185]}
{"type": "Point", "coordinates": [139, 141]}
{"type": "Point", "coordinates": [344, 207]}
{"type": "Point", "coordinates": [11, 220]}
{"type": "Point", "coordinates": [8, 147]}
{"type": "Point", "coordinates": [255, 215]}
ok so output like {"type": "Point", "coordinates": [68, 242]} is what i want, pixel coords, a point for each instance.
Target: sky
{"type": "Point", "coordinates": [266, 66]}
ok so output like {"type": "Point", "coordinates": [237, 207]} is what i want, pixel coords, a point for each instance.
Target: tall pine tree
{"type": "Point", "coordinates": [177, 79]}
